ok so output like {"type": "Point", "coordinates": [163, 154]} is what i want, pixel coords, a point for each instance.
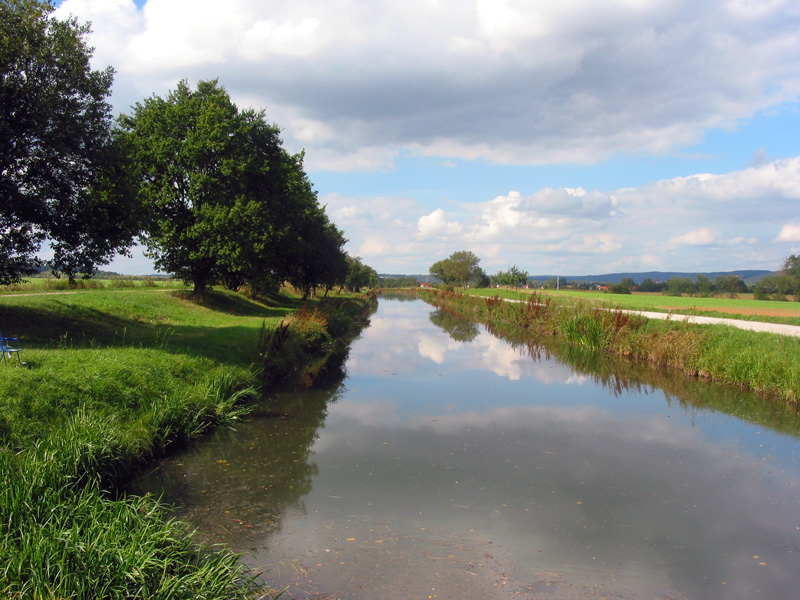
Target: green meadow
{"type": "Point", "coordinates": [113, 379]}
{"type": "Point", "coordinates": [47, 283]}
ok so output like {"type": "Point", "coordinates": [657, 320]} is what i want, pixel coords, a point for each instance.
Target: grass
{"type": "Point", "coordinates": [764, 362]}
{"type": "Point", "coordinates": [742, 307]}
{"type": "Point", "coordinates": [112, 381]}
{"type": "Point", "coordinates": [83, 544]}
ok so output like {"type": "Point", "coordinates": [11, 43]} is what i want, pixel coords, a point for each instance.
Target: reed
{"type": "Point", "coordinates": [763, 362]}
{"type": "Point", "coordinates": [77, 542]}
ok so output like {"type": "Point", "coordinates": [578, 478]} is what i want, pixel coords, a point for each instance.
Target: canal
{"type": "Point", "coordinates": [446, 463]}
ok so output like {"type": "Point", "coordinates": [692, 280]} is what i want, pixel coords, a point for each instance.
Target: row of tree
{"type": "Point", "coordinates": [205, 186]}
{"type": "Point", "coordinates": [701, 286]}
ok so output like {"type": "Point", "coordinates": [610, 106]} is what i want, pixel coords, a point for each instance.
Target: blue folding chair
{"type": "Point", "coordinates": [10, 346]}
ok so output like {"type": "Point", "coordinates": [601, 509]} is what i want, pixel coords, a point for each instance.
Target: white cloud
{"type": "Point", "coordinates": [699, 237]}
{"type": "Point", "coordinates": [359, 85]}
{"type": "Point", "coordinates": [789, 233]}
{"type": "Point", "coordinates": [505, 80]}
{"type": "Point", "coordinates": [437, 225]}
{"type": "Point", "coordinates": [266, 37]}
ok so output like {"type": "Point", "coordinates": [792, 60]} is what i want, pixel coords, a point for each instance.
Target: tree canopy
{"type": "Point", "coordinates": [360, 275]}
{"type": "Point", "coordinates": [225, 201]}
{"type": "Point", "coordinates": [460, 268]}
{"type": "Point", "coordinates": [55, 151]}
{"type": "Point", "coordinates": [207, 187]}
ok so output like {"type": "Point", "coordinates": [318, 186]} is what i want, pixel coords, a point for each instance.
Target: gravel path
{"type": "Point", "coordinates": [792, 330]}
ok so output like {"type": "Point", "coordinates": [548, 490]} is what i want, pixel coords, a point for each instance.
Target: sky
{"type": "Point", "coordinates": [562, 137]}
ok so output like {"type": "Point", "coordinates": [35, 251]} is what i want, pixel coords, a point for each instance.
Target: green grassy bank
{"type": "Point", "coordinates": [763, 362]}
{"type": "Point", "coordinates": [112, 380]}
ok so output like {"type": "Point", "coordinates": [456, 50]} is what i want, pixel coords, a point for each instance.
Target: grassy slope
{"type": "Point", "coordinates": [114, 378]}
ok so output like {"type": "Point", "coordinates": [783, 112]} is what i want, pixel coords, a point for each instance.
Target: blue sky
{"type": "Point", "coordinates": [649, 135]}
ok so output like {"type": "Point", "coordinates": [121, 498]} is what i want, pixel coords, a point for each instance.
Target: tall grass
{"type": "Point", "coordinates": [76, 542]}
{"type": "Point", "coordinates": [304, 342]}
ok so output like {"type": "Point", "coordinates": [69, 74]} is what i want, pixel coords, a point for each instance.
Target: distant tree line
{"type": "Point", "coordinates": [780, 287]}
{"type": "Point", "coordinates": [359, 275]}
{"type": "Point", "coordinates": [206, 187]}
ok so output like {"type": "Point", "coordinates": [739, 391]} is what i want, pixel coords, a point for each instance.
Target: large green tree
{"type": "Point", "coordinates": [319, 257]}
{"type": "Point", "coordinates": [226, 202]}
{"type": "Point", "coordinates": [460, 268]}
{"type": "Point", "coordinates": [186, 150]}
{"type": "Point", "coordinates": [54, 147]}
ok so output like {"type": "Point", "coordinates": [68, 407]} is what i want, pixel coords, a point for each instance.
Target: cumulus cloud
{"type": "Point", "coordinates": [504, 80]}
{"type": "Point", "coordinates": [698, 237]}
{"type": "Point", "coordinates": [359, 86]}
{"type": "Point", "coordinates": [436, 224]}
{"type": "Point", "coordinates": [790, 233]}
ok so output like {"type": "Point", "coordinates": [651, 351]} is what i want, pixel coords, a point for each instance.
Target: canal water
{"type": "Point", "coordinates": [446, 463]}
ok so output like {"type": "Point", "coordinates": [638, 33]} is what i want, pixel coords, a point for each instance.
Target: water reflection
{"type": "Point", "coordinates": [449, 469]}
{"type": "Point", "coordinates": [458, 328]}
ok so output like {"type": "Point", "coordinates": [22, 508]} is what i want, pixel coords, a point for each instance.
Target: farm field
{"type": "Point", "coordinates": [741, 307]}
{"type": "Point", "coordinates": [34, 285]}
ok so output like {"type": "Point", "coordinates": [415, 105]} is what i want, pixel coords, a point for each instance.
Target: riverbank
{"type": "Point", "coordinates": [763, 362]}
{"type": "Point", "coordinates": [113, 381]}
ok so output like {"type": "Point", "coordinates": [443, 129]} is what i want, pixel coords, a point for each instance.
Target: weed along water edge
{"type": "Point", "coordinates": [113, 381]}
{"type": "Point", "coordinates": [448, 463]}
